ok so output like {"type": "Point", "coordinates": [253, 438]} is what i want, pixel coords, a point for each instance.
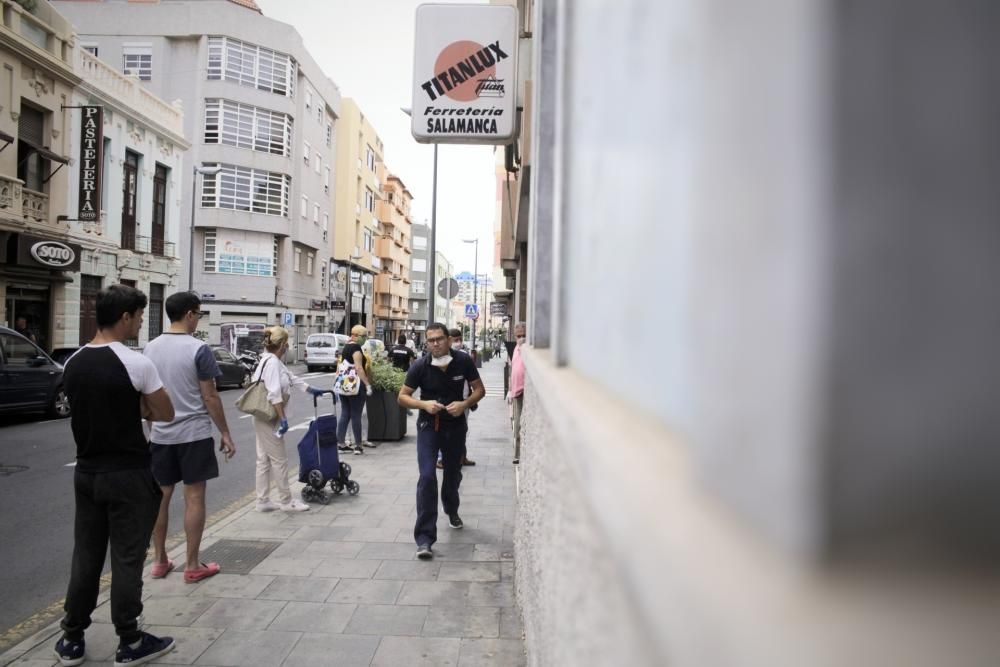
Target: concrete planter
{"type": "Point", "coordinates": [386, 419]}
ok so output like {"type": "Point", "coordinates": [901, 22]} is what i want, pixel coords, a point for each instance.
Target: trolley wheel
{"type": "Point", "coordinates": [353, 487]}
{"type": "Point", "coordinates": [315, 478]}
{"type": "Point", "coordinates": [337, 486]}
{"type": "Point", "coordinates": [345, 470]}
{"type": "Point", "coordinates": [323, 498]}
{"type": "Point", "coordinates": [307, 493]}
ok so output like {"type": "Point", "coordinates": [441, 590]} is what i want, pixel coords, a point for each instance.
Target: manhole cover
{"type": "Point", "coordinates": [10, 470]}
{"type": "Point", "coordinates": [238, 556]}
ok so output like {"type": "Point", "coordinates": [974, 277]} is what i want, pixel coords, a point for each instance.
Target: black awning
{"type": "Point", "coordinates": [6, 139]}
{"type": "Point", "coordinates": [45, 152]}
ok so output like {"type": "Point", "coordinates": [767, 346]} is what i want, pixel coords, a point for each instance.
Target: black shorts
{"type": "Point", "coordinates": [191, 462]}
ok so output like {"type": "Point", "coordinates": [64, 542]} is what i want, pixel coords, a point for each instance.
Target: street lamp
{"type": "Point", "coordinates": [204, 171]}
{"type": "Point", "coordinates": [434, 203]}
{"type": "Point", "coordinates": [475, 288]}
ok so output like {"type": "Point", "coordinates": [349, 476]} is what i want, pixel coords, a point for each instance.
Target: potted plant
{"type": "Point", "coordinates": [386, 419]}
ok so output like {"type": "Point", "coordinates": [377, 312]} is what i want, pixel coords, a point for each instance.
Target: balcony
{"type": "Point", "coordinates": [11, 201]}
{"type": "Point", "coordinates": [157, 247]}
{"type": "Point", "coordinates": [387, 249]}
{"type": "Point", "coordinates": [382, 311]}
{"type": "Point", "coordinates": [34, 205]}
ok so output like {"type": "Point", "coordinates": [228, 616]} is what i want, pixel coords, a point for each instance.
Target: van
{"type": "Point", "coordinates": [323, 349]}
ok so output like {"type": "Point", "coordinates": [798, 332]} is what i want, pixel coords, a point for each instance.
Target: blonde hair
{"type": "Point", "coordinates": [359, 330]}
{"type": "Point", "coordinates": [274, 338]}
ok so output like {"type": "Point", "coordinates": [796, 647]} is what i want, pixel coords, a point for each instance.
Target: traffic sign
{"type": "Point", "coordinates": [448, 288]}
{"type": "Point", "coordinates": [472, 311]}
{"type": "Point", "coordinates": [288, 320]}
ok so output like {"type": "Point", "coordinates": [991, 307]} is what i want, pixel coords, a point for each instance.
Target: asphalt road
{"type": "Point", "coordinates": [36, 497]}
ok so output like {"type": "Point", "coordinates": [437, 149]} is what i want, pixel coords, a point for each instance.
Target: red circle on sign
{"type": "Point", "coordinates": [449, 58]}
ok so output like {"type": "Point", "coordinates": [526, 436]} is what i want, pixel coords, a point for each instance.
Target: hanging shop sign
{"type": "Point", "coordinates": [43, 253]}
{"type": "Point", "coordinates": [465, 74]}
{"type": "Point", "coordinates": [91, 163]}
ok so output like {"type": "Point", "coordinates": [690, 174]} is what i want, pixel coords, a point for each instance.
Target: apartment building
{"type": "Point", "coordinates": [356, 225]}
{"type": "Point", "coordinates": [420, 281]}
{"type": "Point", "coordinates": [392, 283]}
{"type": "Point", "coordinates": [261, 116]}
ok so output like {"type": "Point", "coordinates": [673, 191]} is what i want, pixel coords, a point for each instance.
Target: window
{"type": "Point", "coordinates": [329, 133]}
{"type": "Point", "coordinates": [419, 286]}
{"type": "Point", "coordinates": [419, 265]}
{"type": "Point", "coordinates": [369, 200]}
{"type": "Point", "coordinates": [310, 260]}
{"type": "Point", "coordinates": [90, 48]}
{"type": "Point", "coordinates": [306, 150]}
{"type": "Point", "coordinates": [419, 242]}
{"type": "Point", "coordinates": [326, 179]}
{"type": "Point", "coordinates": [322, 276]}
{"type": "Point", "coordinates": [315, 214]}
{"type": "Point", "coordinates": [17, 351]}
{"type": "Point", "coordinates": [309, 99]}
{"type": "Point", "coordinates": [319, 113]}
{"type": "Point", "coordinates": [130, 193]}
{"type": "Point", "coordinates": [137, 60]}
{"type": "Point", "coordinates": [297, 261]}
{"type": "Point", "coordinates": [251, 65]}
{"type": "Point", "coordinates": [246, 189]}
{"type": "Point", "coordinates": [319, 162]}
{"type": "Point", "coordinates": [154, 312]}
{"type": "Point", "coordinates": [304, 209]}
{"type": "Point", "coordinates": [247, 126]}
{"type": "Point", "coordinates": [209, 251]}
{"type": "Point", "coordinates": [326, 221]}
{"type": "Point", "coordinates": [368, 243]}
{"type": "Point", "coordinates": [370, 158]}
{"type": "Point", "coordinates": [415, 306]}
{"type": "Point", "coordinates": [275, 263]}
{"type": "Point", "coordinates": [33, 167]}
{"type": "Point", "coordinates": [159, 209]}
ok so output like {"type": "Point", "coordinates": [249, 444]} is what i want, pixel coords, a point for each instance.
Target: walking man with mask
{"type": "Point", "coordinates": [441, 377]}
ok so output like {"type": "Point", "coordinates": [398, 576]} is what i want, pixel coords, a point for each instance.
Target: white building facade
{"type": "Point", "coordinates": [261, 118]}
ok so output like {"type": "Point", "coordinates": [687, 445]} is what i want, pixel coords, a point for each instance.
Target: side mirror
{"type": "Point", "coordinates": [35, 362]}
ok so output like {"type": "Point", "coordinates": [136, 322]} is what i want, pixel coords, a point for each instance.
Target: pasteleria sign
{"type": "Point", "coordinates": [465, 74]}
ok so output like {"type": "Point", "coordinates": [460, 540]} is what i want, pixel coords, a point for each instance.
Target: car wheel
{"type": "Point", "coordinates": [59, 407]}
{"type": "Point", "coordinates": [310, 369]}
{"type": "Point", "coordinates": [246, 380]}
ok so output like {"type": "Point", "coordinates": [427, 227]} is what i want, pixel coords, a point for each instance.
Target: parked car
{"type": "Point", "coordinates": [323, 350]}
{"type": "Point", "coordinates": [234, 372]}
{"type": "Point", "coordinates": [29, 379]}
{"type": "Point", "coordinates": [61, 355]}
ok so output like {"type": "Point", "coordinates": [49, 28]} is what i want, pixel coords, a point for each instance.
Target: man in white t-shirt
{"type": "Point", "coordinates": [183, 449]}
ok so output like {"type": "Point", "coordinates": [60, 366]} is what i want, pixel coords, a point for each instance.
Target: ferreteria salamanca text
{"type": "Point", "coordinates": [445, 121]}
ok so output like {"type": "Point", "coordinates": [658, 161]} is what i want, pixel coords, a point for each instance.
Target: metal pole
{"type": "Point", "coordinates": [475, 292]}
{"type": "Point", "coordinates": [194, 188]}
{"type": "Point", "coordinates": [347, 299]}
{"type": "Point", "coordinates": [434, 229]}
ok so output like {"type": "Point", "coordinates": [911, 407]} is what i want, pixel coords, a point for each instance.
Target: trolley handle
{"type": "Point", "coordinates": [325, 391]}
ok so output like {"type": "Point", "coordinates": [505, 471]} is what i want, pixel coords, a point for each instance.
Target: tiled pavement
{"type": "Point", "coordinates": [343, 585]}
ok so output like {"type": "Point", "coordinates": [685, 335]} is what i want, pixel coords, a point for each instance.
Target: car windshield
{"type": "Point", "coordinates": [322, 341]}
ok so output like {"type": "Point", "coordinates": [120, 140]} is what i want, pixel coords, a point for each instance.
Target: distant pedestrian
{"type": "Point", "coordinates": [21, 327]}
{"type": "Point", "coordinates": [353, 406]}
{"type": "Point", "coordinates": [272, 459]}
{"type": "Point", "coordinates": [183, 449]}
{"type": "Point", "coordinates": [111, 389]}
{"type": "Point", "coordinates": [441, 427]}
{"type": "Point", "coordinates": [515, 396]}
{"type": "Point", "coordinates": [401, 354]}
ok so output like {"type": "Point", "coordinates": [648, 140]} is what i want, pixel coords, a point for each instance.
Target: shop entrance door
{"type": "Point", "coordinates": [30, 301]}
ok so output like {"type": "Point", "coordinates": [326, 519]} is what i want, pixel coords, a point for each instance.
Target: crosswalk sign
{"type": "Point", "coordinates": [472, 311]}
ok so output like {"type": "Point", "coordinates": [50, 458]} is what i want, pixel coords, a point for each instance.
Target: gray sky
{"type": "Point", "coordinates": [366, 48]}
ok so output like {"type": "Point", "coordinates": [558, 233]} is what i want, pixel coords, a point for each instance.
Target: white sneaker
{"type": "Point", "coordinates": [295, 506]}
{"type": "Point", "coordinates": [266, 506]}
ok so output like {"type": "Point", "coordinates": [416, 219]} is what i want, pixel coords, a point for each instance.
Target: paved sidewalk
{"type": "Point", "coordinates": [340, 584]}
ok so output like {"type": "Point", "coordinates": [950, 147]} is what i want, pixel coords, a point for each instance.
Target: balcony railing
{"type": "Point", "coordinates": [34, 205]}
{"type": "Point", "coordinates": [10, 196]}
{"type": "Point", "coordinates": [153, 246]}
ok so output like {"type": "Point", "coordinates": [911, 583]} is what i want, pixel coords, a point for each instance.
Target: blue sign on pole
{"type": "Point", "coordinates": [288, 320]}
{"type": "Point", "coordinates": [472, 311]}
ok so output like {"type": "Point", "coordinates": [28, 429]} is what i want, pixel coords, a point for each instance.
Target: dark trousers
{"type": "Point", "coordinates": [450, 441]}
{"type": "Point", "coordinates": [117, 508]}
{"type": "Point", "coordinates": [350, 411]}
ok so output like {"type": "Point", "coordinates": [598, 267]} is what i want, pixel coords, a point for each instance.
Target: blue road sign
{"type": "Point", "coordinates": [472, 311]}
{"type": "Point", "coordinates": [288, 319]}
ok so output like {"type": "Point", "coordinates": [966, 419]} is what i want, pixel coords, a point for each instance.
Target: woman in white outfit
{"type": "Point", "coordinates": [272, 461]}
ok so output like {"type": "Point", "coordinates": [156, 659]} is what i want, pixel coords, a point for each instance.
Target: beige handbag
{"type": "Point", "coordinates": [254, 400]}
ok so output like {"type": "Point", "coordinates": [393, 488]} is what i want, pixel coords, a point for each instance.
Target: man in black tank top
{"type": "Point", "coordinates": [111, 388]}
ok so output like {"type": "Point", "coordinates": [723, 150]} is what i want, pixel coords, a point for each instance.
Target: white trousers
{"type": "Point", "coordinates": [272, 462]}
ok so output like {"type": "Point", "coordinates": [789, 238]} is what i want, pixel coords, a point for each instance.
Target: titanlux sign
{"type": "Point", "coordinates": [91, 161]}
{"type": "Point", "coordinates": [465, 74]}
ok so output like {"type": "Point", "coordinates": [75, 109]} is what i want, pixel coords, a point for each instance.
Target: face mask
{"type": "Point", "coordinates": [441, 362]}
{"type": "Point", "coordinates": [362, 340]}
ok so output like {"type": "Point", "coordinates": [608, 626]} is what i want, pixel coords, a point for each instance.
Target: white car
{"type": "Point", "coordinates": [323, 350]}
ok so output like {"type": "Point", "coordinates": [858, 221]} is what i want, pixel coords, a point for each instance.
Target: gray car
{"type": "Point", "coordinates": [30, 381]}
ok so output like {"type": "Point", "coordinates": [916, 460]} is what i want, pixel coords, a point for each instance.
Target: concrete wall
{"type": "Point", "coordinates": [790, 459]}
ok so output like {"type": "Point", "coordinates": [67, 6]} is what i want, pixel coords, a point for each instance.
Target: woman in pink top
{"type": "Point", "coordinates": [516, 395]}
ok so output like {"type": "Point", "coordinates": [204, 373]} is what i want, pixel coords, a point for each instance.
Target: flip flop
{"type": "Point", "coordinates": [204, 571]}
{"type": "Point", "coordinates": [160, 570]}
